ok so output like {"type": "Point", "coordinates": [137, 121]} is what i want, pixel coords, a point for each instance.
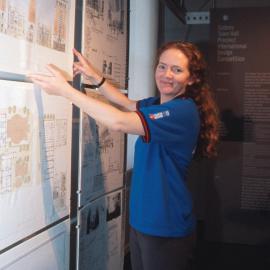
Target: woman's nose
{"type": "Point", "coordinates": [168, 73]}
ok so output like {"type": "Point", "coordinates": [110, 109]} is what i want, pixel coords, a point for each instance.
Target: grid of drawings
{"type": "Point", "coordinates": [49, 128]}
{"type": "Point", "coordinates": [6, 173]}
{"type": "Point", "coordinates": [5, 162]}
{"type": "Point", "coordinates": [105, 37]}
{"type": "Point", "coordinates": [3, 129]}
{"type": "Point", "coordinates": [61, 135]}
{"type": "Point", "coordinates": [26, 20]}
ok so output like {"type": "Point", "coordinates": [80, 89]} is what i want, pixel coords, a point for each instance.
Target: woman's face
{"type": "Point", "coordinates": [172, 74]}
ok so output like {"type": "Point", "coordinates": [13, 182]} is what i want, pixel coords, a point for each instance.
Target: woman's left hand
{"type": "Point", "coordinates": [54, 84]}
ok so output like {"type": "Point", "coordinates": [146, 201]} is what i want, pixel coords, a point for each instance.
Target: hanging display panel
{"type": "Point", "coordinates": [100, 240]}
{"type": "Point", "coordinates": [105, 38]}
{"type": "Point", "coordinates": [35, 154]}
{"type": "Point", "coordinates": [34, 33]}
{"type": "Point", "coordinates": [102, 157]}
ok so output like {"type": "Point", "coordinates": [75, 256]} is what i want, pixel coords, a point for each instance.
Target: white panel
{"type": "Point", "coordinates": [35, 156]}
{"type": "Point", "coordinates": [34, 33]}
{"type": "Point", "coordinates": [46, 251]}
{"type": "Point", "coordinates": [102, 157]}
{"type": "Point", "coordinates": [105, 37]}
{"type": "Point", "coordinates": [100, 236]}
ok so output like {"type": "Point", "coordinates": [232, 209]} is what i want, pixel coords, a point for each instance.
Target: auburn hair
{"type": "Point", "coordinates": [202, 95]}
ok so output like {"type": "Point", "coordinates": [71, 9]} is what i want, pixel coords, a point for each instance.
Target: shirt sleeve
{"type": "Point", "coordinates": [172, 122]}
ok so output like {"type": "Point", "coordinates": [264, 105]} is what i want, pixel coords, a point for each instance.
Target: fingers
{"type": "Point", "coordinates": [76, 72]}
{"type": "Point", "coordinates": [79, 56]}
{"type": "Point", "coordinates": [39, 83]}
{"type": "Point", "coordinates": [76, 53]}
{"type": "Point", "coordinates": [40, 80]}
{"type": "Point", "coordinates": [38, 77]}
{"type": "Point", "coordinates": [44, 78]}
{"type": "Point", "coordinates": [54, 70]}
{"type": "Point", "coordinates": [78, 67]}
{"type": "Point", "coordinates": [53, 83]}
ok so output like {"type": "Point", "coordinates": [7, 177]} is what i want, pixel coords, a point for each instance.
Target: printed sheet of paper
{"type": "Point", "coordinates": [48, 250]}
{"type": "Point", "coordinates": [105, 38]}
{"type": "Point", "coordinates": [100, 244]}
{"type": "Point", "coordinates": [102, 157]}
{"type": "Point", "coordinates": [35, 155]}
{"type": "Point", "coordinates": [34, 33]}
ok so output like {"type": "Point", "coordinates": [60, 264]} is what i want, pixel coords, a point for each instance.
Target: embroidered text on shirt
{"type": "Point", "coordinates": [155, 116]}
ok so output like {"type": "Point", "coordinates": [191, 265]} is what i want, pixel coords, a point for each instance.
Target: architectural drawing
{"type": "Point", "coordinates": [116, 16]}
{"type": "Point", "coordinates": [35, 135]}
{"type": "Point", "coordinates": [24, 21]}
{"type": "Point", "coordinates": [100, 242]}
{"type": "Point", "coordinates": [103, 157]}
{"type": "Point", "coordinates": [95, 8]}
{"type": "Point", "coordinates": [15, 148]}
{"type": "Point", "coordinates": [59, 27]}
{"type": "Point", "coordinates": [34, 33]}
{"type": "Point", "coordinates": [105, 38]}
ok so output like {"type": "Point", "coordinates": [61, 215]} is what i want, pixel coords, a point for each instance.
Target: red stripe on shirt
{"type": "Point", "coordinates": [137, 105]}
{"type": "Point", "coordinates": [146, 137]}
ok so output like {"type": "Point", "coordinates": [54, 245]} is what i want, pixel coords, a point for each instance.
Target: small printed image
{"type": "Point", "coordinates": [92, 220]}
{"type": "Point", "coordinates": [113, 206]}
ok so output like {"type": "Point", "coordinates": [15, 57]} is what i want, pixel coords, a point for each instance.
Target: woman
{"type": "Point", "coordinates": [172, 127]}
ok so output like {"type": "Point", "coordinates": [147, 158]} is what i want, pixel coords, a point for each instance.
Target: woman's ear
{"type": "Point", "coordinates": [193, 80]}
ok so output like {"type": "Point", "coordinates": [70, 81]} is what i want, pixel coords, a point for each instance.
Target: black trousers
{"type": "Point", "coordinates": [160, 253]}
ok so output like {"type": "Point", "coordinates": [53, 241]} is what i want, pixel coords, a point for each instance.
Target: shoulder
{"type": "Point", "coordinates": [146, 102]}
{"type": "Point", "coordinates": [188, 102]}
{"type": "Point", "coordinates": [182, 106]}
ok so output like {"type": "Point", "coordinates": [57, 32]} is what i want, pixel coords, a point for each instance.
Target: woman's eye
{"type": "Point", "coordinates": [176, 70]}
{"type": "Point", "coordinates": [161, 67]}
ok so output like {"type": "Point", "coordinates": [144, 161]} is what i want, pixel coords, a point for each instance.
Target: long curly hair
{"type": "Point", "coordinates": [200, 92]}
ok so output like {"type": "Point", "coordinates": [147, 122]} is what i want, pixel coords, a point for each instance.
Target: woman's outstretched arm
{"type": "Point", "coordinates": [113, 118]}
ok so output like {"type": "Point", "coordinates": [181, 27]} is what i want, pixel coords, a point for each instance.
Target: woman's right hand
{"type": "Point", "coordinates": [54, 83]}
{"type": "Point", "coordinates": [84, 67]}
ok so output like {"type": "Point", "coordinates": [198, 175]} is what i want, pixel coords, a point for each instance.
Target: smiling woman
{"type": "Point", "coordinates": [183, 118]}
{"type": "Point", "coordinates": [192, 63]}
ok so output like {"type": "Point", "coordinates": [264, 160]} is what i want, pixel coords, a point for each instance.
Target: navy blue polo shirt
{"type": "Point", "coordinates": [160, 203]}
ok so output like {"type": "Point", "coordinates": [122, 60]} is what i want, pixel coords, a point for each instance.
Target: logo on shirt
{"type": "Point", "coordinates": [155, 116]}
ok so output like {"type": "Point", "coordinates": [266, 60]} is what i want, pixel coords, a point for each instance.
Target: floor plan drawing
{"type": "Point", "coordinates": [35, 131]}
{"type": "Point", "coordinates": [102, 156]}
{"type": "Point", "coordinates": [14, 148]}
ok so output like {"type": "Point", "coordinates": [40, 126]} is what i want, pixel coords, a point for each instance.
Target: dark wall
{"type": "Point", "coordinates": [202, 172]}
